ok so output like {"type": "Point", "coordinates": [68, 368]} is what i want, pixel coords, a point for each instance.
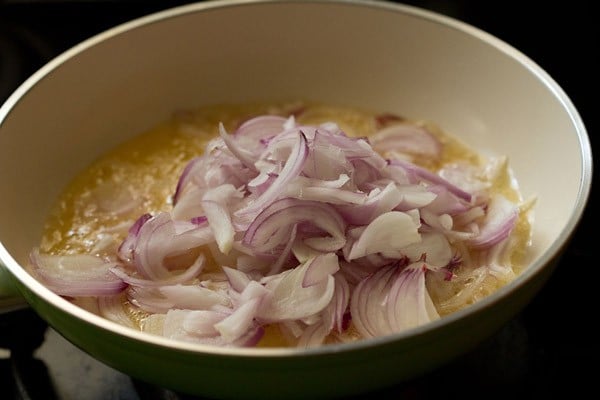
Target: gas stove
{"type": "Point", "coordinates": [544, 350]}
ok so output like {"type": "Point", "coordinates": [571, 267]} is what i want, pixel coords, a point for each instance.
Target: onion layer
{"type": "Point", "coordinates": [315, 232]}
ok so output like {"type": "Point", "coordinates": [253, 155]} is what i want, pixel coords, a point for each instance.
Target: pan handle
{"type": "Point", "coordinates": [10, 298]}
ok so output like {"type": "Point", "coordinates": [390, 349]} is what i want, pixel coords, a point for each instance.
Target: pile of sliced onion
{"type": "Point", "coordinates": [315, 232]}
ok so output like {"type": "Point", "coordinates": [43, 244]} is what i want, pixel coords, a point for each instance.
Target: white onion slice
{"type": "Point", "coordinates": [171, 278]}
{"type": "Point", "coordinates": [499, 221]}
{"type": "Point", "coordinates": [256, 132]}
{"type": "Point", "coordinates": [406, 138]}
{"type": "Point", "coordinates": [422, 173]}
{"type": "Point", "coordinates": [391, 231]}
{"type": "Point", "coordinates": [77, 275]}
{"type": "Point", "coordinates": [239, 322]}
{"type": "Point", "coordinates": [291, 300]}
{"type": "Point", "coordinates": [112, 308]}
{"type": "Point", "coordinates": [291, 169]}
{"type": "Point", "coordinates": [319, 268]}
{"type": "Point", "coordinates": [392, 300]}
{"type": "Point", "coordinates": [160, 237]}
{"type": "Point", "coordinates": [216, 203]}
{"type": "Point", "coordinates": [239, 152]}
{"type": "Point", "coordinates": [273, 226]}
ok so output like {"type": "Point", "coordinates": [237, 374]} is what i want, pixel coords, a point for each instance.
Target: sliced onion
{"type": "Point", "coordinates": [291, 300]}
{"type": "Point", "coordinates": [392, 300]}
{"type": "Point", "coordinates": [273, 226]}
{"type": "Point", "coordinates": [193, 325]}
{"type": "Point", "coordinates": [193, 297]}
{"type": "Point", "coordinates": [77, 275]}
{"type": "Point", "coordinates": [160, 237]}
{"type": "Point", "coordinates": [291, 169]}
{"type": "Point", "coordinates": [184, 178]}
{"type": "Point", "coordinates": [199, 327]}
{"type": "Point", "coordinates": [160, 299]}
{"type": "Point", "coordinates": [379, 201]}
{"type": "Point", "coordinates": [239, 322]}
{"type": "Point", "coordinates": [313, 335]}
{"type": "Point", "coordinates": [499, 221]}
{"type": "Point", "coordinates": [311, 227]}
{"type": "Point", "coordinates": [237, 279]}
{"type": "Point", "coordinates": [340, 303]}
{"type": "Point", "coordinates": [285, 254]}
{"type": "Point", "coordinates": [367, 305]}
{"type": "Point", "coordinates": [171, 279]}
{"type": "Point", "coordinates": [125, 250]}
{"type": "Point", "coordinates": [406, 138]}
{"type": "Point", "coordinates": [409, 303]}
{"type": "Point", "coordinates": [422, 173]}
{"type": "Point", "coordinates": [256, 131]}
{"type": "Point", "coordinates": [319, 268]}
{"type": "Point", "coordinates": [326, 195]}
{"type": "Point", "coordinates": [238, 151]}
{"type": "Point", "coordinates": [216, 203]}
{"type": "Point", "coordinates": [112, 308]}
{"type": "Point", "coordinates": [391, 231]}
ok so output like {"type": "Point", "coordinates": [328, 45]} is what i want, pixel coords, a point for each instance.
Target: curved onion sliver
{"type": "Point", "coordinates": [392, 300]}
{"type": "Point", "coordinates": [76, 275]}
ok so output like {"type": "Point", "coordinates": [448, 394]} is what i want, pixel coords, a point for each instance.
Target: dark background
{"type": "Point", "coordinates": [551, 346]}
